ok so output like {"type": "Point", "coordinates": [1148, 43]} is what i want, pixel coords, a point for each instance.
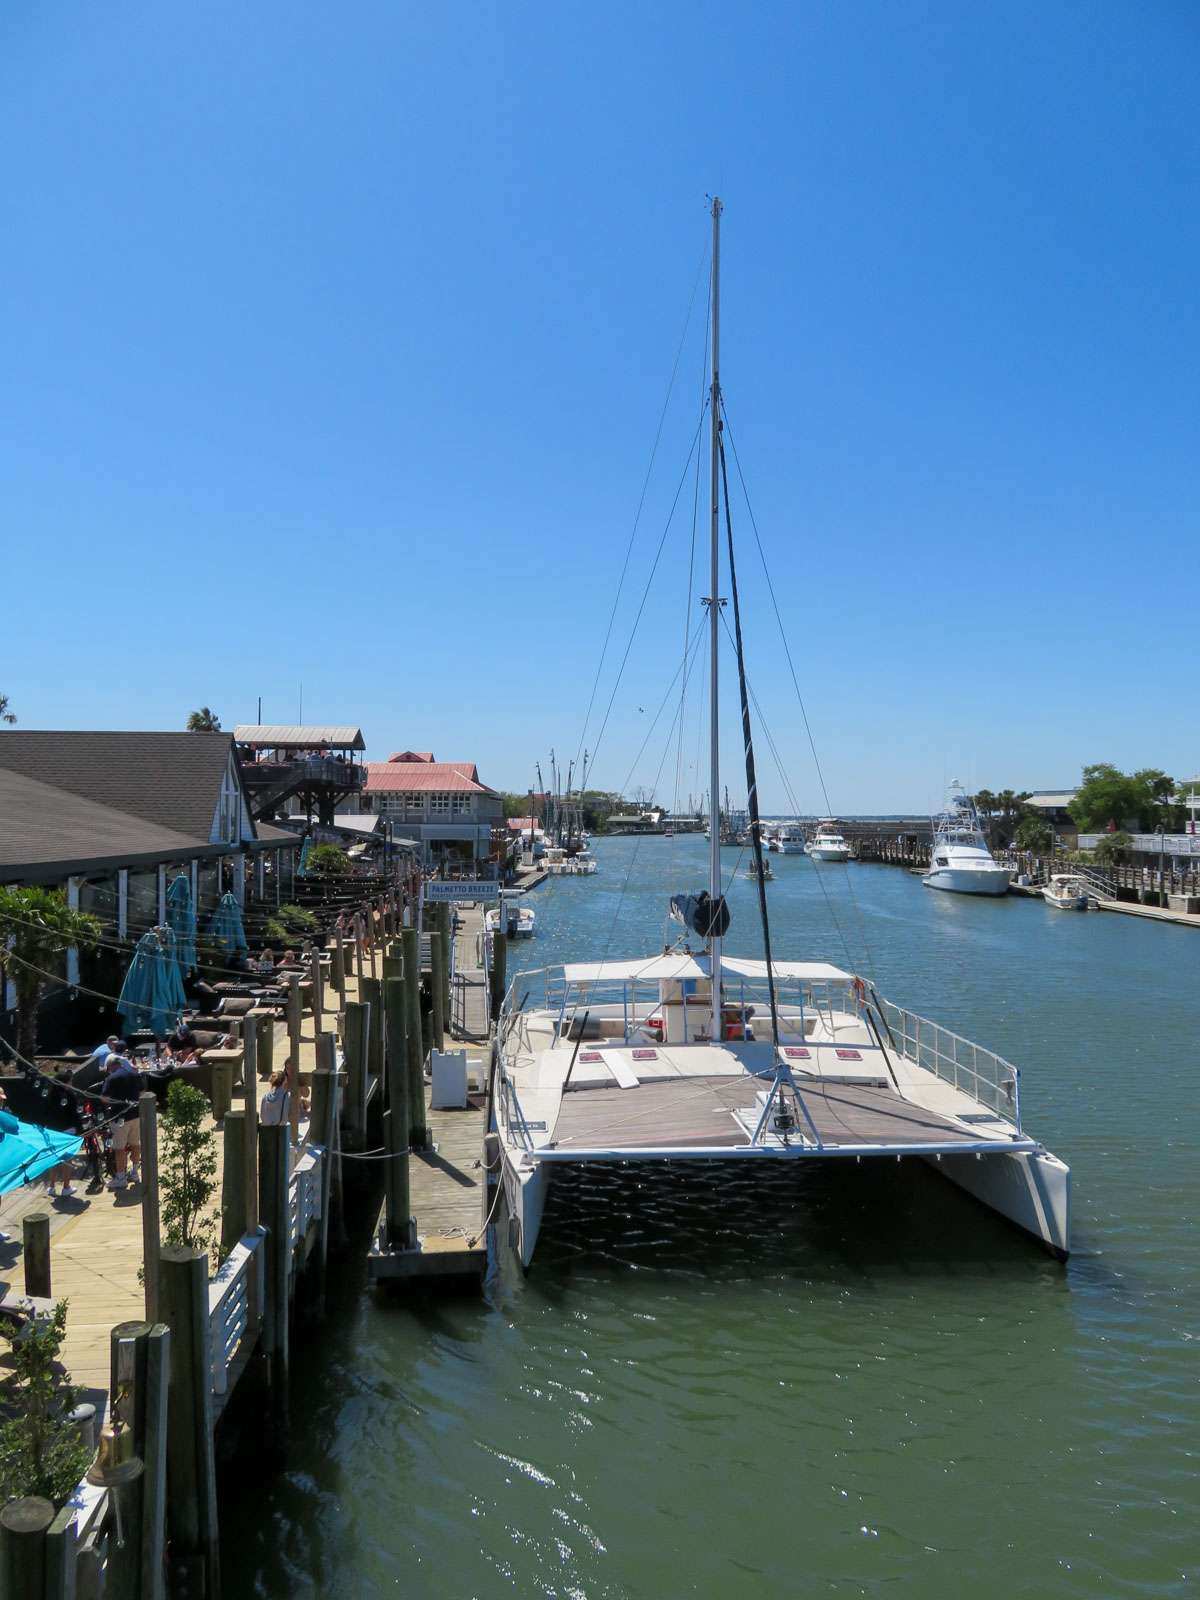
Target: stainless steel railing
{"type": "Point", "coordinates": [977, 1072]}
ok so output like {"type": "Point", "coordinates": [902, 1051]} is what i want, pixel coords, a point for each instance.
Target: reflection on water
{"type": "Point", "coordinates": [833, 1379]}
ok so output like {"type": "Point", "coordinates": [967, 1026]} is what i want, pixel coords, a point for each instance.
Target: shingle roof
{"type": "Point", "coordinates": [444, 777]}
{"type": "Point", "coordinates": [171, 779]}
{"type": "Point", "coordinates": [43, 826]}
{"type": "Point", "coordinates": [300, 736]}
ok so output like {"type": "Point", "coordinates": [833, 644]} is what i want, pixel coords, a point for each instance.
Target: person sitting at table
{"type": "Point", "coordinates": [182, 1040]}
{"type": "Point", "coordinates": [266, 961]}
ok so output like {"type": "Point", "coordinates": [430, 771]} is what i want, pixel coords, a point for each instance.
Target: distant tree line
{"type": "Point", "coordinates": [1108, 800]}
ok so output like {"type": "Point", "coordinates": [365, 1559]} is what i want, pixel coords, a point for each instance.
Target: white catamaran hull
{"type": "Point", "coordinates": [1031, 1189]}
{"type": "Point", "coordinates": [968, 880]}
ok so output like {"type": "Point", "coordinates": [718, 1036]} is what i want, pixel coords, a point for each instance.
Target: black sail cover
{"type": "Point", "coordinates": [702, 914]}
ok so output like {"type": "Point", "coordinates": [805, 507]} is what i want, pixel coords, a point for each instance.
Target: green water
{"type": "Point", "coordinates": [828, 1381]}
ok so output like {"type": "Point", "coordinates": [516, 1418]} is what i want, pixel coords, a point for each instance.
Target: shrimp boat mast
{"type": "Point", "coordinates": [693, 1054]}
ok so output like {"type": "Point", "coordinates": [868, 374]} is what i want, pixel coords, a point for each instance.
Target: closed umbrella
{"type": "Point", "coordinates": [181, 917]}
{"type": "Point", "coordinates": [302, 868]}
{"type": "Point", "coordinates": [225, 930]}
{"type": "Point", "coordinates": [152, 995]}
{"type": "Point", "coordinates": [172, 982]}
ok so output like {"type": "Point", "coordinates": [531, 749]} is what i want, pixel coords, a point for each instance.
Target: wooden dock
{"type": "Point", "coordinates": [448, 1190]}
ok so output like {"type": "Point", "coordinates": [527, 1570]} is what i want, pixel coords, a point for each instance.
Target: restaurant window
{"type": "Point", "coordinates": [439, 804]}
{"type": "Point", "coordinates": [98, 897]}
{"type": "Point", "coordinates": [142, 902]}
{"type": "Point", "coordinates": [208, 889]}
{"type": "Point", "coordinates": [414, 804]}
{"type": "Point", "coordinates": [460, 804]}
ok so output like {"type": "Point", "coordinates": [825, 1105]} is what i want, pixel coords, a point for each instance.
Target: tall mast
{"type": "Point", "coordinates": [714, 629]}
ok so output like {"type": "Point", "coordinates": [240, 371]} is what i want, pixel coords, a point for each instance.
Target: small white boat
{"type": "Point", "coordinates": [960, 860]}
{"type": "Point", "coordinates": [1067, 891]}
{"type": "Point", "coordinates": [827, 844]}
{"type": "Point", "coordinates": [518, 922]}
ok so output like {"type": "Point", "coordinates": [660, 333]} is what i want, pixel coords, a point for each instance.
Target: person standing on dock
{"type": "Point", "coordinates": [124, 1085]}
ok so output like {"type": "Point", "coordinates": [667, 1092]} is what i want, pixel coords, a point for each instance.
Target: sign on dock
{"type": "Point", "coordinates": [467, 889]}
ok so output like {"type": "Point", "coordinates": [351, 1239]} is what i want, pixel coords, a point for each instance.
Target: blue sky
{"type": "Point", "coordinates": [336, 338]}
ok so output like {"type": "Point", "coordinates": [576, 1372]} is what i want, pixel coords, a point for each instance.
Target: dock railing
{"type": "Point", "coordinates": [236, 1303]}
{"type": "Point", "coordinates": [980, 1073]}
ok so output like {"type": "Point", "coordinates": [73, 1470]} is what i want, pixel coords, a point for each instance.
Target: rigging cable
{"type": "Point", "coordinates": [748, 741]}
{"type": "Point", "coordinates": [792, 669]}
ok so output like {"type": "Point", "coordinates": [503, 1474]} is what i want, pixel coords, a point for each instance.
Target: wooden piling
{"type": "Point", "coordinates": [35, 1247]}
{"type": "Point", "coordinates": [151, 1225]}
{"type": "Point", "coordinates": [499, 974]}
{"type": "Point", "coordinates": [24, 1525]}
{"type": "Point", "coordinates": [372, 993]}
{"type": "Point", "coordinates": [326, 1084]}
{"type": "Point", "coordinates": [127, 1389]}
{"type": "Point", "coordinates": [437, 991]}
{"type": "Point", "coordinates": [444, 932]}
{"type": "Point", "coordinates": [250, 1142]}
{"type": "Point", "coordinates": [318, 999]}
{"type": "Point", "coordinates": [191, 1465]}
{"type": "Point", "coordinates": [339, 963]}
{"type": "Point", "coordinates": [293, 1019]}
{"type": "Point", "coordinates": [274, 1173]}
{"type": "Point", "coordinates": [151, 1445]}
{"type": "Point", "coordinates": [265, 1047]}
{"type": "Point", "coordinates": [355, 1024]}
{"type": "Point", "coordinates": [61, 1545]}
{"type": "Point", "coordinates": [396, 1118]}
{"type": "Point", "coordinates": [233, 1181]}
{"type": "Point", "coordinates": [418, 1129]}
{"type": "Point", "coordinates": [358, 950]}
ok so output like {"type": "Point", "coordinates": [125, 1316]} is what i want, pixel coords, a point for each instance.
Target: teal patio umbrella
{"type": "Point", "coordinates": [172, 981]}
{"type": "Point", "coordinates": [181, 919]}
{"type": "Point", "coordinates": [28, 1151]}
{"type": "Point", "coordinates": [152, 995]}
{"type": "Point", "coordinates": [225, 930]}
{"type": "Point", "coordinates": [302, 867]}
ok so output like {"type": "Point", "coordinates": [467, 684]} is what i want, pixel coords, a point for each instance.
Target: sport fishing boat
{"type": "Point", "coordinates": [960, 859]}
{"type": "Point", "coordinates": [692, 1054]}
{"type": "Point", "coordinates": [827, 843]}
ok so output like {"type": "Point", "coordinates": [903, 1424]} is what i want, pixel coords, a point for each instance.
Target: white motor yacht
{"type": "Point", "coordinates": [827, 843]}
{"type": "Point", "coordinates": [697, 1055]}
{"type": "Point", "coordinates": [1067, 891]}
{"type": "Point", "coordinates": [960, 859]}
{"type": "Point", "coordinates": [789, 841]}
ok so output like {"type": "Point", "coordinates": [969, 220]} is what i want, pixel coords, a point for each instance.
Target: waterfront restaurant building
{"type": "Point", "coordinates": [442, 805]}
{"type": "Point", "coordinates": [112, 818]}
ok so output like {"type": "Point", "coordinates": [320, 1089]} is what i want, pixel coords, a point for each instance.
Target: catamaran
{"type": "Point", "coordinates": [694, 1054]}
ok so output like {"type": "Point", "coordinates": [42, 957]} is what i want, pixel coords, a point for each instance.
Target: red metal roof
{"type": "Point", "coordinates": [415, 777]}
{"type": "Point", "coordinates": [413, 755]}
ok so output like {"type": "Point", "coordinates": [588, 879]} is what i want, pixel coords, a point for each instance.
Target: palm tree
{"type": "Point", "coordinates": [36, 927]}
{"type": "Point", "coordinates": [985, 803]}
{"type": "Point", "coordinates": [204, 721]}
{"type": "Point", "coordinates": [5, 714]}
